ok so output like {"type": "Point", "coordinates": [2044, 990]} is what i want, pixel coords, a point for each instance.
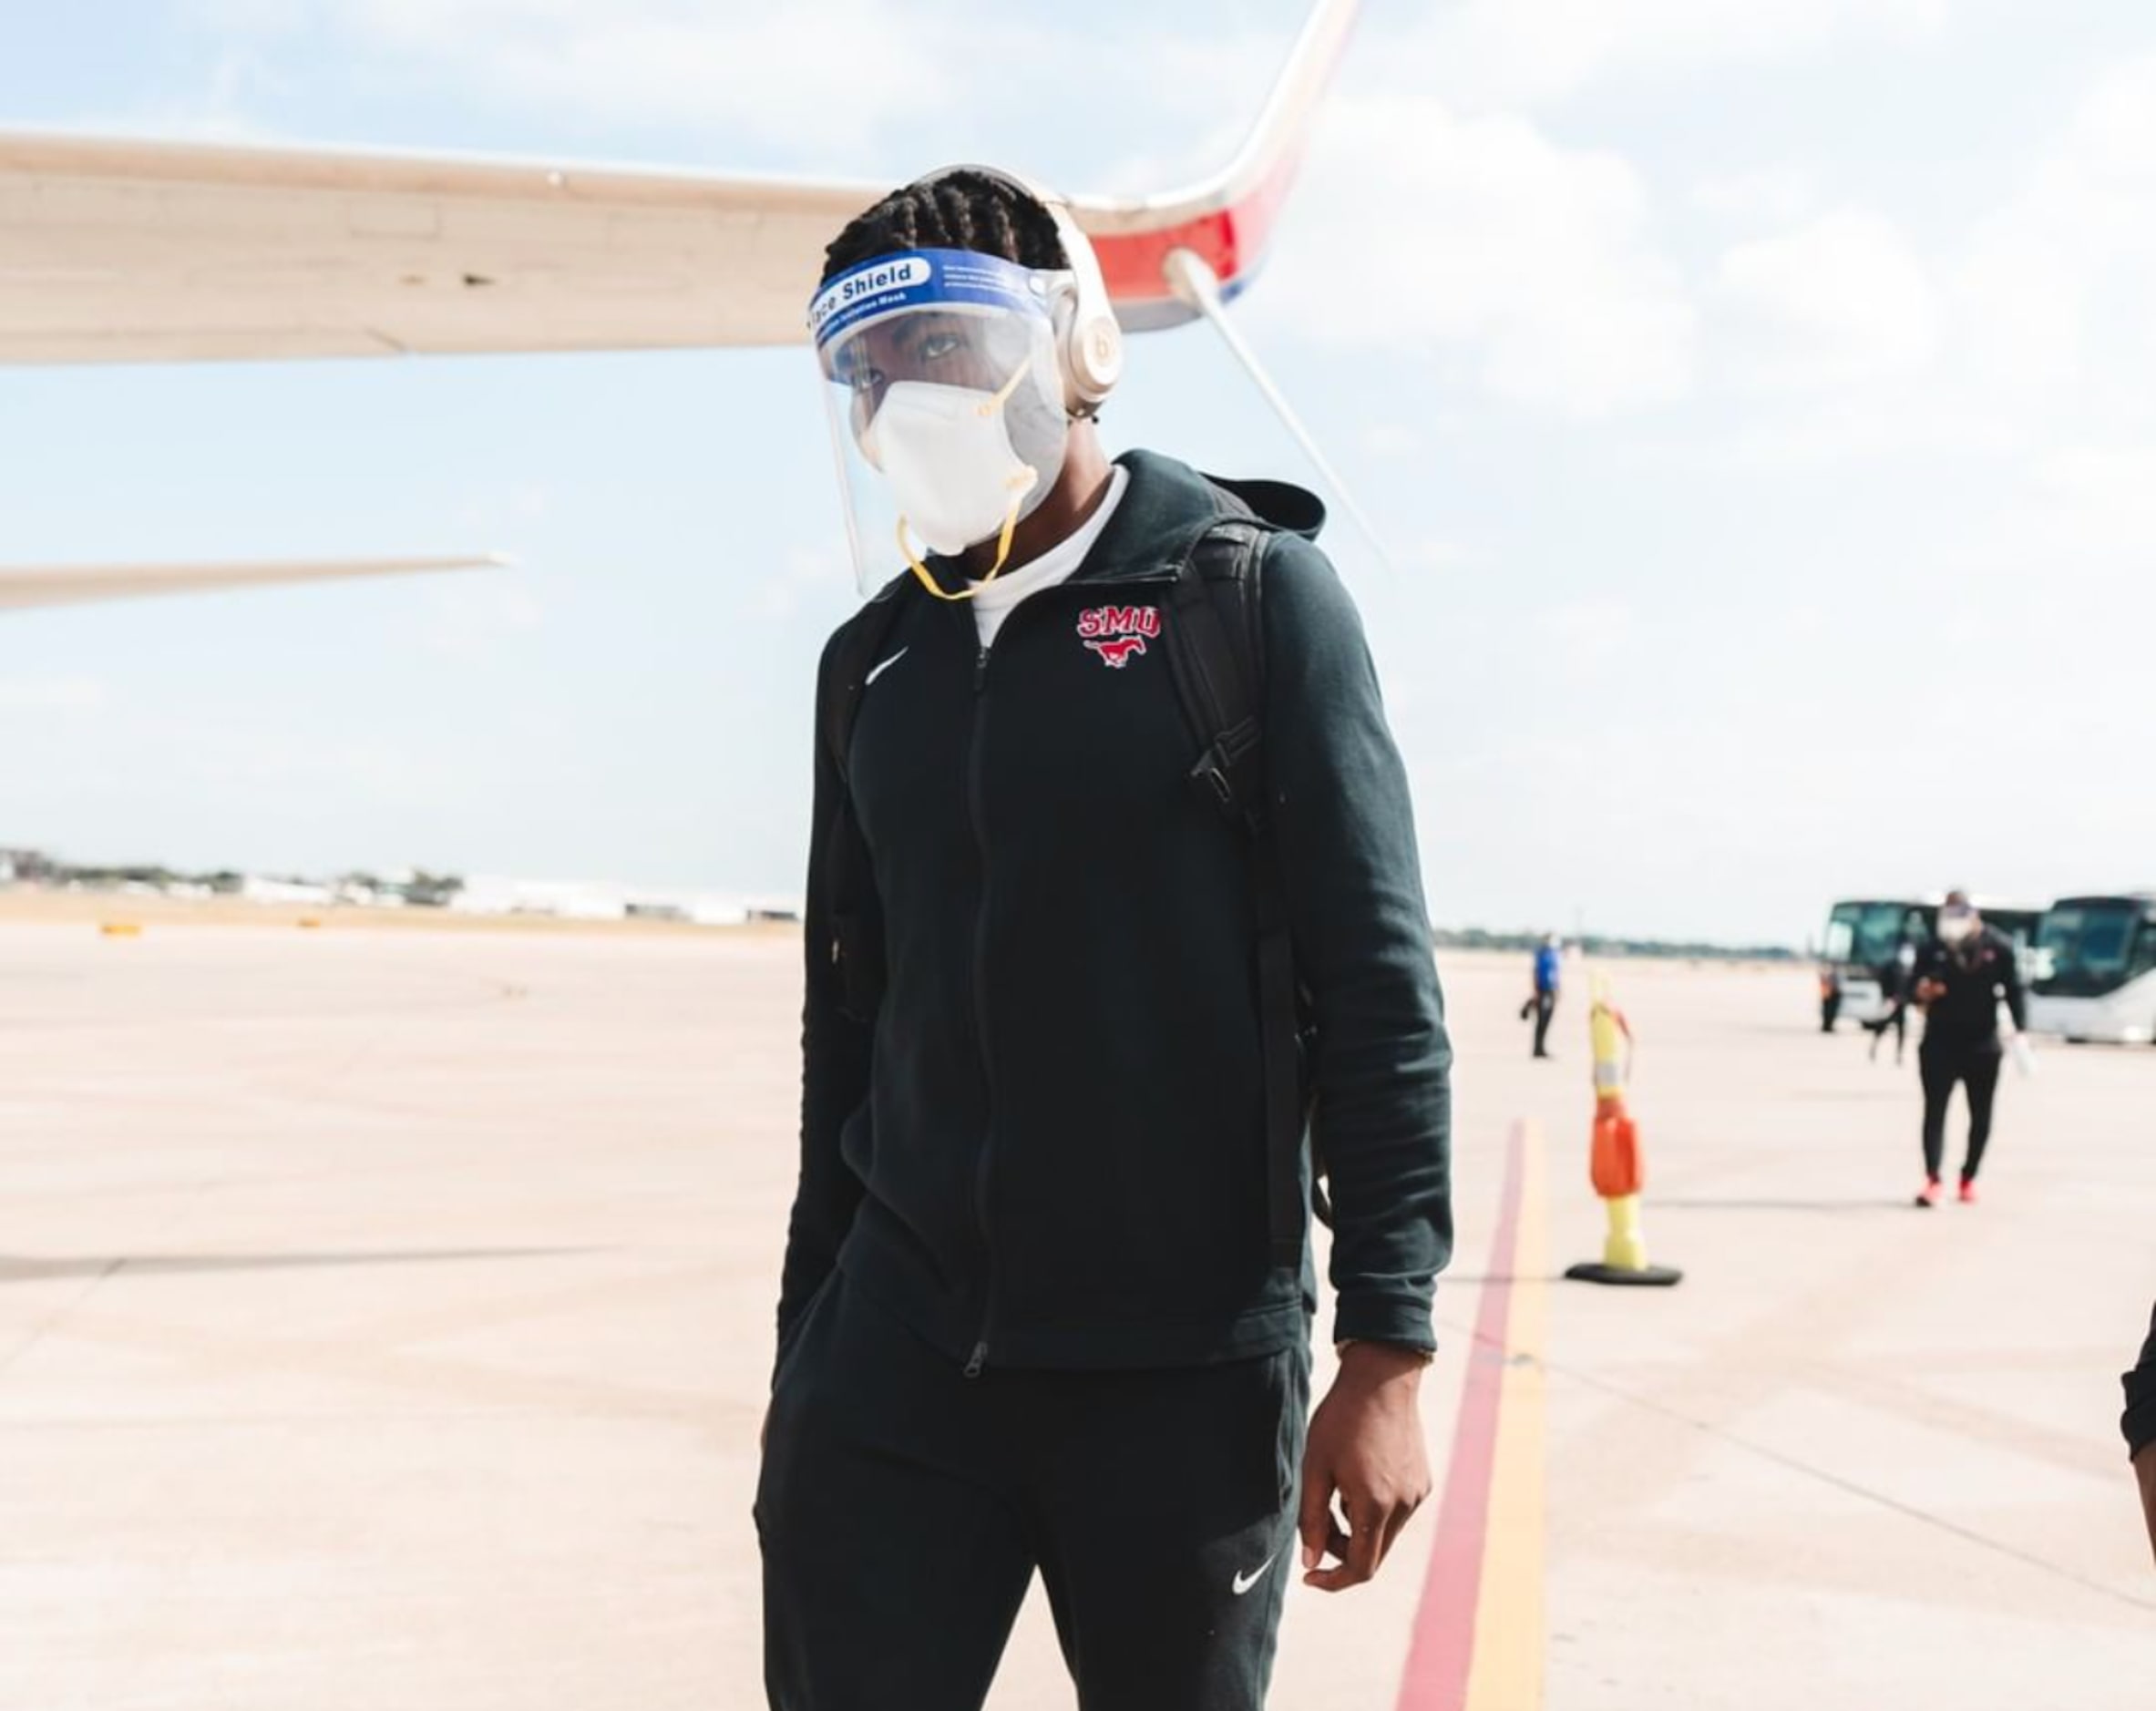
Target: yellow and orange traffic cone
{"type": "Point", "coordinates": [1615, 1166]}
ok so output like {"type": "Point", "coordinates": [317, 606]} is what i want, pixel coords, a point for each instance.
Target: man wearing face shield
{"type": "Point", "coordinates": [1037, 1311]}
{"type": "Point", "coordinates": [1961, 977]}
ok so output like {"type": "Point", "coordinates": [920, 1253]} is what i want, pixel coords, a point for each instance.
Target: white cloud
{"type": "Point", "coordinates": [1841, 299]}
{"type": "Point", "coordinates": [1423, 232]}
{"type": "Point", "coordinates": [831, 88]}
{"type": "Point", "coordinates": [1436, 552]}
{"type": "Point", "coordinates": [2101, 497]}
{"type": "Point", "coordinates": [514, 506]}
{"type": "Point", "coordinates": [1587, 633]}
{"type": "Point", "coordinates": [472, 618]}
{"type": "Point", "coordinates": [1868, 425]}
{"type": "Point", "coordinates": [836, 72]}
{"type": "Point", "coordinates": [219, 112]}
{"type": "Point", "coordinates": [2027, 338]}
{"type": "Point", "coordinates": [262, 18]}
{"type": "Point", "coordinates": [1777, 196]}
{"type": "Point", "coordinates": [1395, 440]}
{"type": "Point", "coordinates": [2060, 276]}
{"type": "Point", "coordinates": [1513, 51]}
{"type": "Point", "coordinates": [2021, 297]}
{"type": "Point", "coordinates": [2114, 133]}
{"type": "Point", "coordinates": [60, 694]}
{"type": "Point", "coordinates": [821, 575]}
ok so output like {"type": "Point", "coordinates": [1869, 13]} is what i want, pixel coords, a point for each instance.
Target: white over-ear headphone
{"type": "Point", "coordinates": [1089, 348]}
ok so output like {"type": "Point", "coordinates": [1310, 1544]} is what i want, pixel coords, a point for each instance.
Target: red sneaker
{"type": "Point", "coordinates": [1928, 1195]}
{"type": "Point", "coordinates": [1968, 1192]}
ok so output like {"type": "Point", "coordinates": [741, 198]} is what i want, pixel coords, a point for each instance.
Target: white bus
{"type": "Point", "coordinates": [1864, 938]}
{"type": "Point", "coordinates": [1872, 942]}
{"type": "Point", "coordinates": [2096, 974]}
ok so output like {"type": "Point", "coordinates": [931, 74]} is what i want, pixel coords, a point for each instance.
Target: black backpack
{"type": "Point", "coordinates": [1216, 646]}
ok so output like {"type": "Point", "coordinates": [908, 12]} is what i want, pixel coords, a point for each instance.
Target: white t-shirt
{"type": "Point", "coordinates": [999, 598]}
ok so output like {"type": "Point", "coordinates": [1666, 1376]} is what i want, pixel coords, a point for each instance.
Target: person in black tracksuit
{"type": "Point", "coordinates": [1029, 1318]}
{"type": "Point", "coordinates": [2138, 1424]}
{"type": "Point", "coordinates": [1896, 981]}
{"type": "Point", "coordinates": [1962, 974]}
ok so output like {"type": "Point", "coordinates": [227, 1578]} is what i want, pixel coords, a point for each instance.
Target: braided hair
{"type": "Point", "coordinates": [962, 209]}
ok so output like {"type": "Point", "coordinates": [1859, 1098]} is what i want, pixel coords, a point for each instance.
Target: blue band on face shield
{"type": "Point", "coordinates": [924, 279]}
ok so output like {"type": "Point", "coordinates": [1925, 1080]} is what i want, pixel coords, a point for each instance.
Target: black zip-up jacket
{"type": "Point", "coordinates": [1965, 1018]}
{"type": "Point", "coordinates": [1050, 1149]}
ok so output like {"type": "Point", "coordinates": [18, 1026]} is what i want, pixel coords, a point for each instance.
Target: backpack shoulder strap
{"type": "Point", "coordinates": [1216, 655]}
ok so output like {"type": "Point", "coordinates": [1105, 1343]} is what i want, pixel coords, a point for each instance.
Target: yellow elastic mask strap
{"type": "Point", "coordinates": [1002, 395]}
{"type": "Point", "coordinates": [988, 406]}
{"type": "Point", "coordinates": [929, 582]}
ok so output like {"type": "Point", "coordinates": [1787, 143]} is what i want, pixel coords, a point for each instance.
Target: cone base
{"type": "Point", "coordinates": [1646, 1278]}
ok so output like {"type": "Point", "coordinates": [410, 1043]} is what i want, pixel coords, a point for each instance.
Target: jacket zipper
{"type": "Point", "coordinates": [979, 1357]}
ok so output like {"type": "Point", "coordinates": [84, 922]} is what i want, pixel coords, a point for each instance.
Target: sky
{"type": "Point", "coordinates": [1757, 399]}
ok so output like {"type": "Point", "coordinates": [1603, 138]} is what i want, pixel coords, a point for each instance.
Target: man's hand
{"type": "Point", "coordinates": [1366, 1444]}
{"type": "Point", "coordinates": [1928, 990]}
{"type": "Point", "coordinates": [2144, 1464]}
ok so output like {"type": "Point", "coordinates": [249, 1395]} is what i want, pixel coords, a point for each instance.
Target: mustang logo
{"type": "Point", "coordinates": [1119, 652]}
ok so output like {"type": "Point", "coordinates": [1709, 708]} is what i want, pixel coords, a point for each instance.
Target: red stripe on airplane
{"type": "Point", "coordinates": [1229, 241]}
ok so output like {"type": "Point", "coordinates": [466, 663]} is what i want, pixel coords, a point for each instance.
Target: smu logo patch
{"type": "Point", "coordinates": [1118, 633]}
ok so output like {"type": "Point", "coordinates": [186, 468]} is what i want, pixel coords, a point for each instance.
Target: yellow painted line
{"type": "Point", "coordinates": [1510, 1642]}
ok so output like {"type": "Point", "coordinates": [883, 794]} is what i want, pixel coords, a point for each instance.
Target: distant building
{"type": "Point", "coordinates": [574, 900]}
{"type": "Point", "coordinates": [254, 888]}
{"type": "Point", "coordinates": [24, 866]}
{"type": "Point", "coordinates": [491, 894]}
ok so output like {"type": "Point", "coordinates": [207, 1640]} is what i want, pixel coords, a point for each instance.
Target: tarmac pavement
{"type": "Point", "coordinates": [384, 1320]}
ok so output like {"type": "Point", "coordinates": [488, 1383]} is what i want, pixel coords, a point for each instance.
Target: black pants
{"type": "Point", "coordinates": [1977, 1068]}
{"type": "Point", "coordinates": [904, 1508]}
{"type": "Point", "coordinates": [1546, 1007]}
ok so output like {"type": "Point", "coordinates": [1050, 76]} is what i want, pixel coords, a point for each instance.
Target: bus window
{"type": "Point", "coordinates": [2107, 939]}
{"type": "Point", "coordinates": [2144, 950]}
{"type": "Point", "coordinates": [1867, 935]}
{"type": "Point", "coordinates": [1841, 933]}
{"type": "Point", "coordinates": [2088, 948]}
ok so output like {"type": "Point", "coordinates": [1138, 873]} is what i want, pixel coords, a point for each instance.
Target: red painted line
{"type": "Point", "coordinates": [1442, 1649]}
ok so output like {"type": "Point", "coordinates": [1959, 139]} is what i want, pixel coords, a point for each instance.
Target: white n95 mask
{"type": "Point", "coordinates": [946, 452]}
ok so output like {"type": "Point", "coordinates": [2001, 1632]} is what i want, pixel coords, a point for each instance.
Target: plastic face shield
{"type": "Point", "coordinates": [946, 405]}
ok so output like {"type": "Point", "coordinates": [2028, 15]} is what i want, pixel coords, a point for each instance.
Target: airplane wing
{"type": "Point", "coordinates": [72, 585]}
{"type": "Point", "coordinates": [133, 251]}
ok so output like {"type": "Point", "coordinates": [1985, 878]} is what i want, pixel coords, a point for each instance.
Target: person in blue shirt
{"type": "Point", "coordinates": [1543, 1004]}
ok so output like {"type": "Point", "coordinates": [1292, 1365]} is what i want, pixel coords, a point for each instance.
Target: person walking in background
{"type": "Point", "coordinates": [1961, 977]}
{"type": "Point", "coordinates": [1543, 1004]}
{"type": "Point", "coordinates": [1897, 979]}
